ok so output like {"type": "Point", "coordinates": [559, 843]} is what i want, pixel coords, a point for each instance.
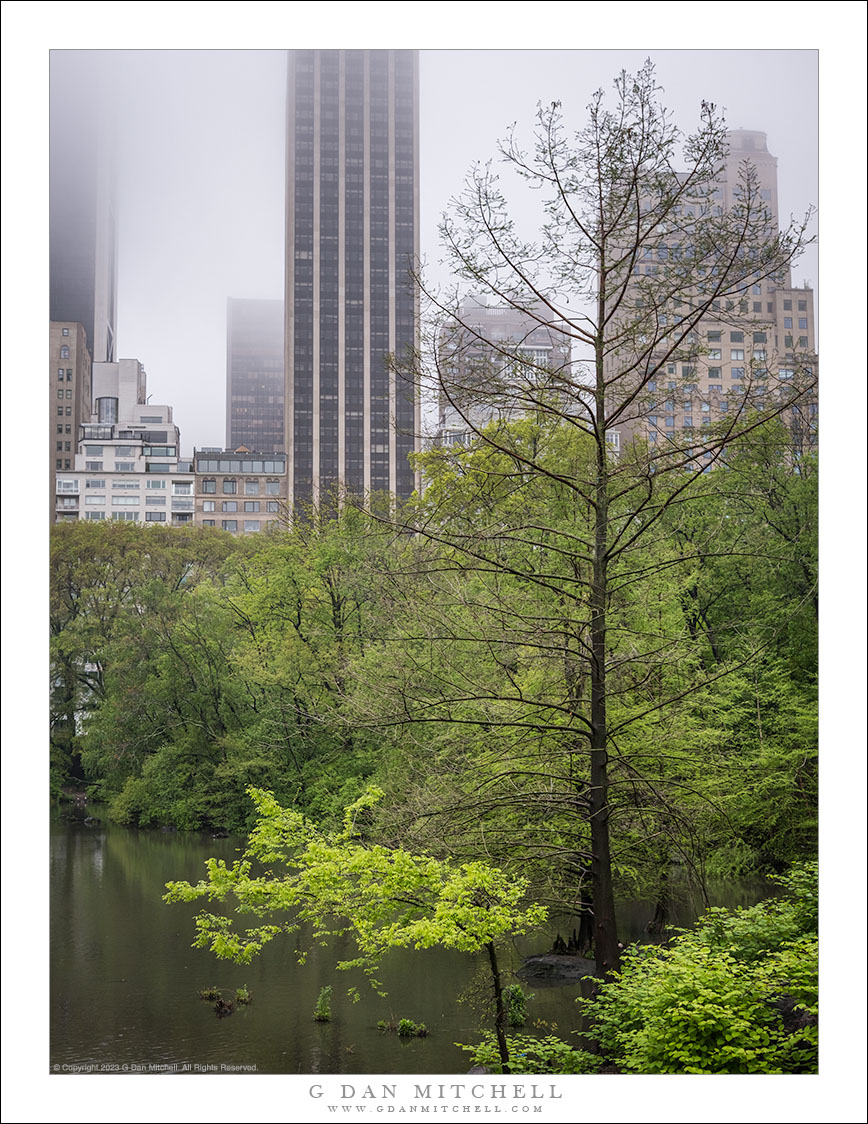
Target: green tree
{"type": "Point", "coordinates": [612, 197]}
{"type": "Point", "coordinates": [385, 897]}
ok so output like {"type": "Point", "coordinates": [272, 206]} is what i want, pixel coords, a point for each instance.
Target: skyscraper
{"type": "Point", "coordinates": [254, 375]}
{"type": "Point", "coordinates": [352, 235]}
{"type": "Point", "coordinates": [82, 218]}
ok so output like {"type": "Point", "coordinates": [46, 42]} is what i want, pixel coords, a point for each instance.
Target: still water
{"type": "Point", "coordinates": [125, 981]}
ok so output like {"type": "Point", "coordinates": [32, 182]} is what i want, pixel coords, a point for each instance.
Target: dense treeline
{"type": "Point", "coordinates": [188, 665]}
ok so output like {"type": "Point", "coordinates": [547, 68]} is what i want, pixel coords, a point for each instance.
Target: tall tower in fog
{"type": "Point", "coordinates": [352, 234]}
{"type": "Point", "coordinates": [82, 215]}
{"type": "Point", "coordinates": [254, 375]}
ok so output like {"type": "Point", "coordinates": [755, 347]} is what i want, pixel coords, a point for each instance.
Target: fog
{"type": "Point", "coordinates": [200, 171]}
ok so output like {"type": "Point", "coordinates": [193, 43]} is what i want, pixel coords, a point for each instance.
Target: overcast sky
{"type": "Point", "coordinates": [201, 173]}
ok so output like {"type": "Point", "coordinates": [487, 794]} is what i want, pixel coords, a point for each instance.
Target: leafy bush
{"type": "Point", "coordinates": [532, 1055]}
{"type": "Point", "coordinates": [322, 1012]}
{"type": "Point", "coordinates": [737, 994]}
{"type": "Point", "coordinates": [516, 1004]}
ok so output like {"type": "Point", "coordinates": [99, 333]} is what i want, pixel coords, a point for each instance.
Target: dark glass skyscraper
{"type": "Point", "coordinates": [352, 234]}
{"type": "Point", "coordinates": [82, 220]}
{"type": "Point", "coordinates": [254, 375]}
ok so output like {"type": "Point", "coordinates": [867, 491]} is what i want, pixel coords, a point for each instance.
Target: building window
{"type": "Point", "coordinates": [182, 488]}
{"type": "Point", "coordinates": [93, 450]}
{"type": "Point", "coordinates": [58, 464]}
{"type": "Point", "coordinates": [64, 331]}
{"type": "Point", "coordinates": [124, 466]}
{"type": "Point", "coordinates": [788, 323]}
{"type": "Point", "coordinates": [757, 306]}
{"type": "Point", "coordinates": [209, 486]}
{"type": "Point", "coordinates": [714, 353]}
{"type": "Point", "coordinates": [60, 374]}
{"type": "Point", "coordinates": [60, 394]}
{"type": "Point", "coordinates": [251, 487]}
{"type": "Point", "coordinates": [803, 323]}
{"type": "Point", "coordinates": [209, 522]}
{"type": "Point", "coordinates": [788, 305]}
{"type": "Point", "coordinates": [155, 517]}
{"type": "Point", "coordinates": [125, 516]}
{"type": "Point", "coordinates": [68, 411]}
{"type": "Point", "coordinates": [94, 515]}
{"type": "Point", "coordinates": [251, 505]}
{"type": "Point", "coordinates": [156, 484]}
{"type": "Point", "coordinates": [251, 524]}
{"type": "Point", "coordinates": [272, 487]}
{"type": "Point", "coordinates": [230, 487]}
{"type": "Point", "coordinates": [230, 524]}
{"type": "Point", "coordinates": [209, 505]}
{"type": "Point", "coordinates": [64, 352]}
{"type": "Point", "coordinates": [785, 373]}
{"type": "Point", "coordinates": [60, 411]}
{"type": "Point", "coordinates": [715, 388]}
{"type": "Point", "coordinates": [736, 337]}
{"type": "Point", "coordinates": [229, 505]}
{"type": "Point", "coordinates": [125, 501]}
{"type": "Point", "coordinates": [714, 337]}
{"type": "Point", "coordinates": [737, 372]}
{"type": "Point", "coordinates": [69, 394]}
{"type": "Point", "coordinates": [93, 466]}
{"type": "Point", "coordinates": [736, 353]}
{"type": "Point", "coordinates": [272, 505]}
{"type": "Point", "coordinates": [97, 500]}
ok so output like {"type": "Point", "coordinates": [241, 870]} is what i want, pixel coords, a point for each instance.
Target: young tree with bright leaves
{"type": "Point", "coordinates": [627, 189]}
{"type": "Point", "coordinates": [340, 883]}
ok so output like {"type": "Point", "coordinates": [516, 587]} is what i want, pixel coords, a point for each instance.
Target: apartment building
{"type": "Point", "coordinates": [127, 466]}
{"type": "Point", "coordinates": [240, 491]}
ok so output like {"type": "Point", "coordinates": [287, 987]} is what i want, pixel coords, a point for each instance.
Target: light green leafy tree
{"type": "Point", "coordinates": [338, 883]}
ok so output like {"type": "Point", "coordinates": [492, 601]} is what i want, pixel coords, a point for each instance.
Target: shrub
{"type": "Point", "coordinates": [322, 1012]}
{"type": "Point", "coordinates": [532, 1055]}
{"type": "Point", "coordinates": [737, 994]}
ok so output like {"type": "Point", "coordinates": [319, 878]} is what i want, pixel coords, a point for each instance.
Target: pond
{"type": "Point", "coordinates": [125, 981]}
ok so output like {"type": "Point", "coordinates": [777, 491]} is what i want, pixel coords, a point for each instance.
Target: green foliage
{"type": "Point", "coordinates": [529, 1055]}
{"type": "Point", "coordinates": [715, 999]}
{"type": "Point", "coordinates": [408, 1029]}
{"type": "Point", "coordinates": [322, 1012]}
{"type": "Point", "coordinates": [516, 1004]}
{"type": "Point", "coordinates": [242, 995]}
{"type": "Point", "coordinates": [385, 897]}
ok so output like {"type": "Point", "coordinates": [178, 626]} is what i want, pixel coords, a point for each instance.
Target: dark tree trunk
{"type": "Point", "coordinates": [499, 1011]}
{"type": "Point", "coordinates": [606, 950]}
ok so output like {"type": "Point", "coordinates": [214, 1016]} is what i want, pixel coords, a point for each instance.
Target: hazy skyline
{"type": "Point", "coordinates": [201, 173]}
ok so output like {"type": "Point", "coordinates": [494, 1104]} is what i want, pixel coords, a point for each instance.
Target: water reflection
{"type": "Point", "coordinates": [125, 981]}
